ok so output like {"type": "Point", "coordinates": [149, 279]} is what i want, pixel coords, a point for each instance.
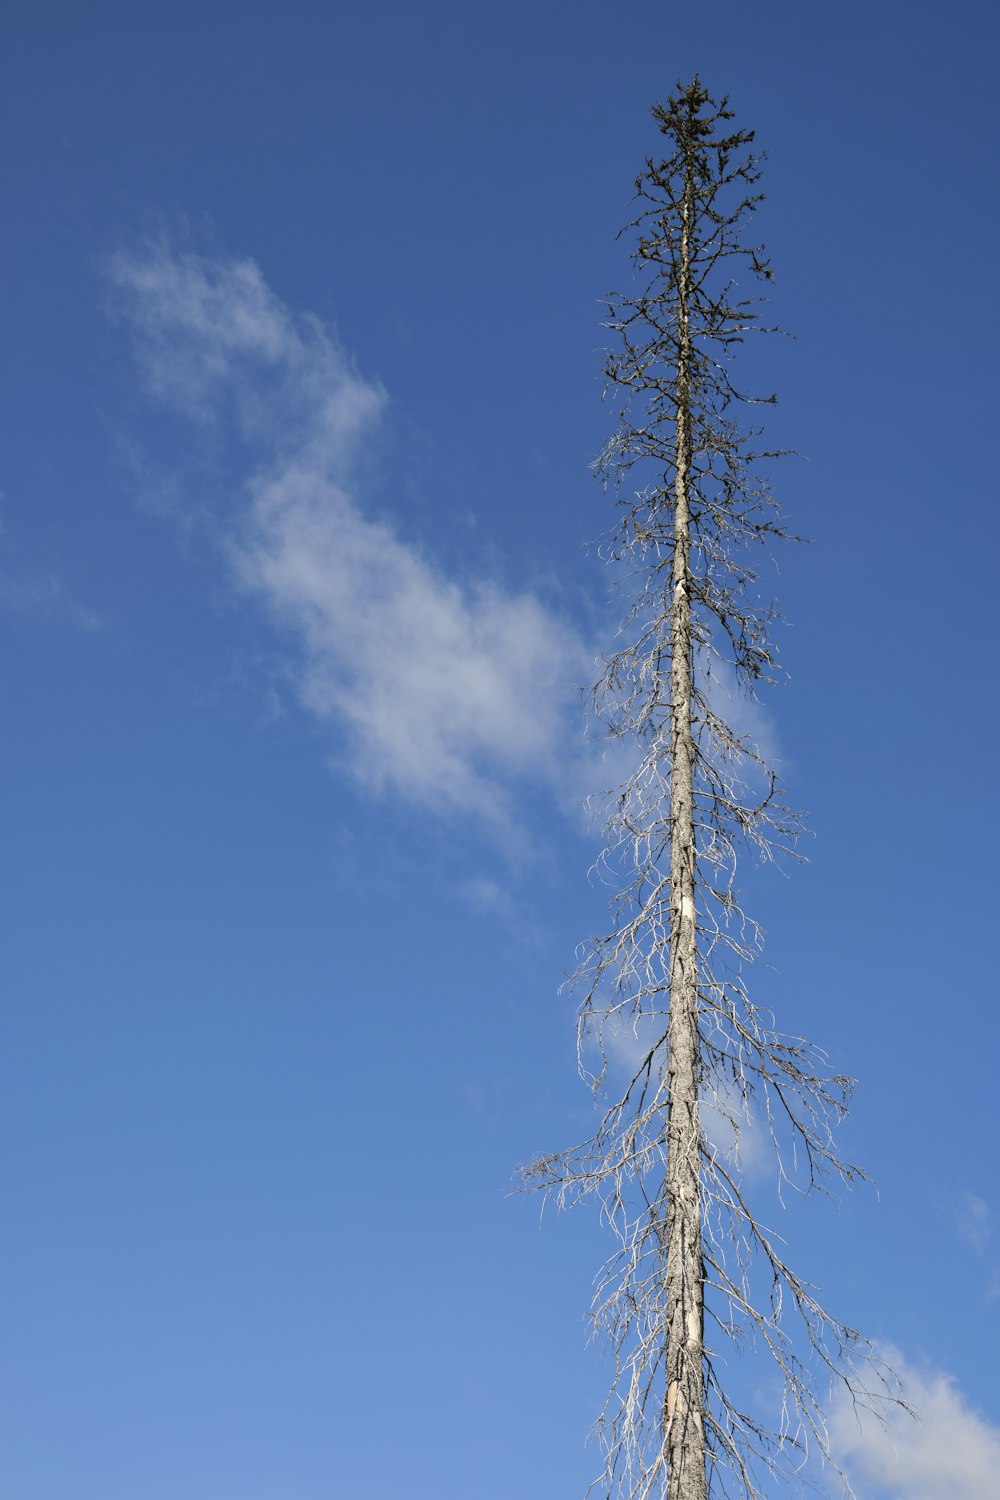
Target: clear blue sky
{"type": "Point", "coordinates": [298, 389]}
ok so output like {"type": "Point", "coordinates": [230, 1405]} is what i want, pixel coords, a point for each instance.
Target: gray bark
{"type": "Point", "coordinates": [684, 1429]}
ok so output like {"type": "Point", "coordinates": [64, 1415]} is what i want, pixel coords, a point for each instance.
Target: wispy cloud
{"type": "Point", "coordinates": [26, 594]}
{"type": "Point", "coordinates": [973, 1219]}
{"type": "Point", "coordinates": [490, 898]}
{"type": "Point", "coordinates": [441, 691]}
{"type": "Point", "coordinates": [951, 1452]}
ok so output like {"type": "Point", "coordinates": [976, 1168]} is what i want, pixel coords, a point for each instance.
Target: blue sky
{"type": "Point", "coordinates": [299, 387]}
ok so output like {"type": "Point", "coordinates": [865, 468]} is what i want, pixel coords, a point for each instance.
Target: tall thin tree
{"type": "Point", "coordinates": [669, 975]}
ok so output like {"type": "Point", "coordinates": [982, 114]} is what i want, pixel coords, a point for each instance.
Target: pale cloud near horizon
{"type": "Point", "coordinates": [948, 1451]}
{"type": "Point", "coordinates": [442, 691]}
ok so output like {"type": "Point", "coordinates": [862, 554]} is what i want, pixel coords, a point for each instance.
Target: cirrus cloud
{"type": "Point", "coordinates": [440, 690]}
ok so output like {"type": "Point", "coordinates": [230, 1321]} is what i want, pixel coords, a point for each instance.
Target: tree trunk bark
{"type": "Point", "coordinates": [684, 1410]}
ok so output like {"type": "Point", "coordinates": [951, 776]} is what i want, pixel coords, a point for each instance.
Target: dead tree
{"type": "Point", "coordinates": [695, 1270]}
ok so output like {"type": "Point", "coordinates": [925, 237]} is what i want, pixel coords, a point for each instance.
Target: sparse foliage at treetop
{"type": "Point", "coordinates": [695, 1270]}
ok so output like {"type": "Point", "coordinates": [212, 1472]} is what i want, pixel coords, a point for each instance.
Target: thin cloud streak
{"type": "Point", "coordinates": [44, 596]}
{"type": "Point", "coordinates": [973, 1219]}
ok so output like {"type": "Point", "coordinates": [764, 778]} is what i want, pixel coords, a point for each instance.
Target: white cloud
{"type": "Point", "coordinates": [442, 691]}
{"type": "Point", "coordinates": [950, 1452]}
{"type": "Point", "coordinates": [441, 687]}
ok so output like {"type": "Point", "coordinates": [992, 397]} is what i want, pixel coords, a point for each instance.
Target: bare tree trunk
{"type": "Point", "coordinates": [669, 975]}
{"type": "Point", "coordinates": [684, 1431]}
